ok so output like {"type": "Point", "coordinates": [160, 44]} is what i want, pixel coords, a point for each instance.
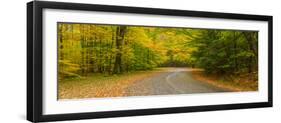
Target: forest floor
{"type": "Point", "coordinates": [246, 82]}
{"type": "Point", "coordinates": [99, 85]}
{"type": "Point", "coordinates": [160, 81]}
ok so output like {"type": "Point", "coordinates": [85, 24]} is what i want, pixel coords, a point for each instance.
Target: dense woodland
{"type": "Point", "coordinates": [111, 49]}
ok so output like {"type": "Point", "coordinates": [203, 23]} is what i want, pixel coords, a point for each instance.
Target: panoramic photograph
{"type": "Point", "coordinates": [105, 61]}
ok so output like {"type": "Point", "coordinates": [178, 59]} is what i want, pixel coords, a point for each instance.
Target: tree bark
{"type": "Point", "coordinates": [120, 34]}
{"type": "Point", "coordinates": [251, 39]}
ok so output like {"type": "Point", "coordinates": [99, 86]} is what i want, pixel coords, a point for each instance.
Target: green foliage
{"type": "Point", "coordinates": [226, 52]}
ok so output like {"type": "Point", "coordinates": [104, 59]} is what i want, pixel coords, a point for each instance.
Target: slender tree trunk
{"type": "Point", "coordinates": [100, 57]}
{"type": "Point", "coordinates": [235, 52]}
{"type": "Point", "coordinates": [61, 46]}
{"type": "Point", "coordinates": [82, 42]}
{"type": "Point", "coordinates": [91, 46]}
{"type": "Point", "coordinates": [111, 54]}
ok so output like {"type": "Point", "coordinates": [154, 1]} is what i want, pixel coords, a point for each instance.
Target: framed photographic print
{"type": "Point", "coordinates": [96, 61]}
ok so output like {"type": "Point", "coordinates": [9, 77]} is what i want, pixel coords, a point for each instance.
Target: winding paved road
{"type": "Point", "coordinates": [174, 81]}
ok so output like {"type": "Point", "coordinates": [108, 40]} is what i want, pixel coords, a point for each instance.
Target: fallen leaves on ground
{"type": "Point", "coordinates": [238, 83]}
{"type": "Point", "coordinates": [98, 85]}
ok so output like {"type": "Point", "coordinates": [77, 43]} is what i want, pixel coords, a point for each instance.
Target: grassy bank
{"type": "Point", "coordinates": [246, 82]}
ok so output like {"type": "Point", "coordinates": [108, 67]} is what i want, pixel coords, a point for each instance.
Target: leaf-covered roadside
{"type": "Point", "coordinates": [98, 85]}
{"type": "Point", "coordinates": [245, 82]}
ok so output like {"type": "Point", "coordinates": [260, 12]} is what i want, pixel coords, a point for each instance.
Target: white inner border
{"type": "Point", "coordinates": [52, 106]}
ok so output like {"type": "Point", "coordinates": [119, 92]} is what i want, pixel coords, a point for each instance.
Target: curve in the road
{"type": "Point", "coordinates": [176, 81]}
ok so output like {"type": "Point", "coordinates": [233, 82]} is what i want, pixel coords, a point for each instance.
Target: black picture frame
{"type": "Point", "coordinates": [35, 69]}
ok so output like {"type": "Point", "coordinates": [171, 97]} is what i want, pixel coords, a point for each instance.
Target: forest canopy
{"type": "Point", "coordinates": [117, 49]}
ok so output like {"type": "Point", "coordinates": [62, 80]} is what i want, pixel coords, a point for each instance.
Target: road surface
{"type": "Point", "coordinates": [173, 81]}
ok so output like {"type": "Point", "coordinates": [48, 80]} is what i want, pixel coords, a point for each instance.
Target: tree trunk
{"type": "Point", "coordinates": [120, 34]}
{"type": "Point", "coordinates": [82, 42]}
{"type": "Point", "coordinates": [61, 46]}
{"type": "Point", "coordinates": [111, 54]}
{"type": "Point", "coordinates": [251, 39]}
